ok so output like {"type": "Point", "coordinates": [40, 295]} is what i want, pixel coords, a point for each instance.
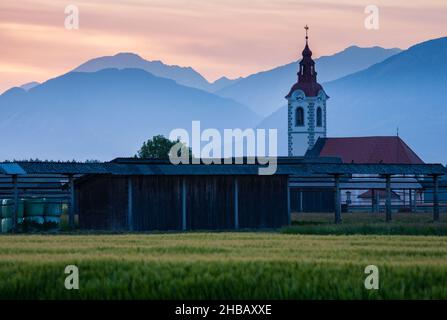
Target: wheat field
{"type": "Point", "coordinates": [222, 266]}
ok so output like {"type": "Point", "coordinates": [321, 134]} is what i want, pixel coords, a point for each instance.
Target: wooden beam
{"type": "Point", "coordinates": [184, 204]}
{"type": "Point", "coordinates": [301, 201]}
{"type": "Point", "coordinates": [129, 204]}
{"type": "Point", "coordinates": [373, 201]}
{"type": "Point", "coordinates": [435, 198]}
{"type": "Point", "coordinates": [415, 201]}
{"type": "Point", "coordinates": [388, 198]}
{"type": "Point", "coordinates": [289, 210]}
{"type": "Point", "coordinates": [236, 203]}
{"type": "Point", "coordinates": [15, 213]}
{"type": "Point", "coordinates": [337, 199]}
{"type": "Point", "coordinates": [71, 203]}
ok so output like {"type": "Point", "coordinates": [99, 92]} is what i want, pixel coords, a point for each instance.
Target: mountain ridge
{"type": "Point", "coordinates": [110, 114]}
{"type": "Point", "coordinates": [265, 91]}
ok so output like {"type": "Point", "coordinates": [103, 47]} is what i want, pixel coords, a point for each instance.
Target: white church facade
{"type": "Point", "coordinates": [307, 119]}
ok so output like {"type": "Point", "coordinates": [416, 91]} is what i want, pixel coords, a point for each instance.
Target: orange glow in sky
{"type": "Point", "coordinates": [216, 37]}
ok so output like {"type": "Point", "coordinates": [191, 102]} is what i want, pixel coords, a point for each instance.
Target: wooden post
{"type": "Point", "coordinates": [289, 210]}
{"type": "Point", "coordinates": [236, 204]}
{"type": "Point", "coordinates": [415, 201]}
{"type": "Point", "coordinates": [301, 201]}
{"type": "Point", "coordinates": [15, 213]}
{"type": "Point", "coordinates": [435, 198]}
{"type": "Point", "coordinates": [405, 198]}
{"type": "Point", "coordinates": [71, 203]}
{"type": "Point", "coordinates": [373, 200]}
{"type": "Point", "coordinates": [337, 199]}
{"type": "Point", "coordinates": [129, 203]}
{"type": "Point", "coordinates": [378, 202]}
{"type": "Point", "coordinates": [388, 198]}
{"type": "Point", "coordinates": [184, 204]}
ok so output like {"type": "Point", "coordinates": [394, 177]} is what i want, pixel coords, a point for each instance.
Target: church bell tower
{"type": "Point", "coordinates": [306, 107]}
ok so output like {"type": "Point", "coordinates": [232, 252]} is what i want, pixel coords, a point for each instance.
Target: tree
{"type": "Point", "coordinates": [158, 148]}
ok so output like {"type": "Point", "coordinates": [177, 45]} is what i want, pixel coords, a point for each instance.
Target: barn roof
{"type": "Point", "coordinates": [11, 168]}
{"type": "Point", "coordinates": [378, 193]}
{"type": "Point", "coordinates": [291, 166]}
{"type": "Point", "coordinates": [64, 168]}
{"type": "Point", "coordinates": [366, 150]}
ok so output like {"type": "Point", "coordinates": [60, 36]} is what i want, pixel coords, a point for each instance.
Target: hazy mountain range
{"type": "Point", "coordinates": [106, 114]}
{"type": "Point", "coordinates": [265, 91]}
{"type": "Point", "coordinates": [182, 75]}
{"type": "Point", "coordinates": [96, 112]}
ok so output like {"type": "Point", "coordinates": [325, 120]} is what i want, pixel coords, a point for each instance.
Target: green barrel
{"type": "Point", "coordinates": [35, 210]}
{"type": "Point", "coordinates": [7, 209]}
{"type": "Point", "coordinates": [36, 220]}
{"type": "Point", "coordinates": [53, 209]}
{"type": "Point", "coordinates": [53, 212]}
{"type": "Point", "coordinates": [6, 225]}
{"type": "Point", "coordinates": [54, 220]}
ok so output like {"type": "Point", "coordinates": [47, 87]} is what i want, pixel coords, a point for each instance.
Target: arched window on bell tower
{"type": "Point", "coordinates": [319, 117]}
{"type": "Point", "coordinates": [299, 117]}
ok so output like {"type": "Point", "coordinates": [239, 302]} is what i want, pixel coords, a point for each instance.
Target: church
{"type": "Point", "coordinates": [307, 137]}
{"type": "Point", "coordinates": [307, 126]}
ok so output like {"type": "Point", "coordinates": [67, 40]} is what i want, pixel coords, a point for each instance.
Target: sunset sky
{"type": "Point", "coordinates": [216, 37]}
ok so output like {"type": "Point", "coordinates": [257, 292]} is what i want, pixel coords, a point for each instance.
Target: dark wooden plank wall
{"type": "Point", "coordinates": [210, 202]}
{"type": "Point", "coordinates": [103, 203]}
{"type": "Point", "coordinates": [157, 203]}
{"type": "Point", "coordinates": [263, 201]}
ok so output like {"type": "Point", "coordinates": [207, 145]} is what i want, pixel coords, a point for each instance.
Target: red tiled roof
{"type": "Point", "coordinates": [311, 89]}
{"type": "Point", "coordinates": [391, 150]}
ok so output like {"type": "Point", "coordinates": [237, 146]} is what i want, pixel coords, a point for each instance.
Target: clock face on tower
{"type": "Point", "coordinates": [298, 95]}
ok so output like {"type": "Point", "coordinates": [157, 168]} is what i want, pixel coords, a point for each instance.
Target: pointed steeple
{"type": "Point", "coordinates": [307, 75]}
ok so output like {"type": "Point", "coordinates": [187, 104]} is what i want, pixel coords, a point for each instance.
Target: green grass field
{"type": "Point", "coordinates": [223, 266]}
{"type": "Point", "coordinates": [367, 224]}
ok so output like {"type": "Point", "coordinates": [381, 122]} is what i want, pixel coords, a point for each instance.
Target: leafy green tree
{"type": "Point", "coordinates": [159, 147]}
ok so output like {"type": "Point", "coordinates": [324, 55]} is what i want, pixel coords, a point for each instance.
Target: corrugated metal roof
{"type": "Point", "coordinates": [279, 160]}
{"type": "Point", "coordinates": [382, 169]}
{"type": "Point", "coordinates": [63, 168]}
{"type": "Point", "coordinates": [11, 168]}
{"type": "Point", "coordinates": [297, 169]}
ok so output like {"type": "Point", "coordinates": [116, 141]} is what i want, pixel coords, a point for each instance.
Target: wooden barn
{"type": "Point", "coordinates": [129, 194]}
{"type": "Point", "coordinates": [152, 195]}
